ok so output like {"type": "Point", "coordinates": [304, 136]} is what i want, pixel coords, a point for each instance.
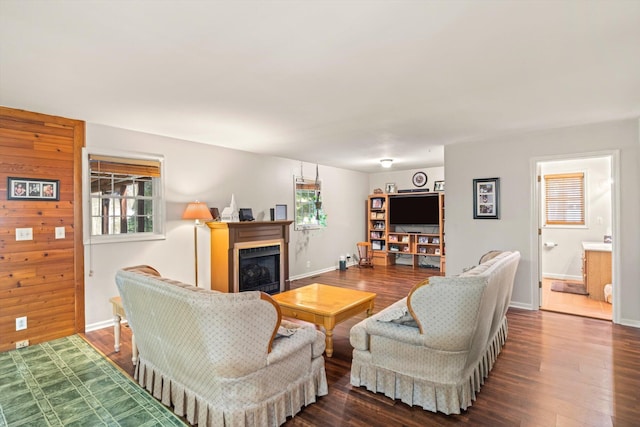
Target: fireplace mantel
{"type": "Point", "coordinates": [225, 236]}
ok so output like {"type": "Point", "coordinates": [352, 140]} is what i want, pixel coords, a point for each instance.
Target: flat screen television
{"type": "Point", "coordinates": [413, 210]}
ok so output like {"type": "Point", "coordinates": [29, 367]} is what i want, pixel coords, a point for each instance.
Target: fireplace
{"type": "Point", "coordinates": [250, 255]}
{"type": "Point", "coordinates": [259, 267]}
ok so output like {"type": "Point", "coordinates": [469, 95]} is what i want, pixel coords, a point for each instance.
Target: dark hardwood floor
{"type": "Point", "coordinates": [555, 369]}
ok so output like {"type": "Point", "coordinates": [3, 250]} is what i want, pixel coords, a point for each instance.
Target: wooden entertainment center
{"type": "Point", "coordinates": [388, 239]}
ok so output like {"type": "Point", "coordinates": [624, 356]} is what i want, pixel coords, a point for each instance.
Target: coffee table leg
{"type": "Point", "coordinates": [134, 349]}
{"type": "Point", "coordinates": [329, 324]}
{"type": "Point", "coordinates": [116, 332]}
{"type": "Point", "coordinates": [370, 309]}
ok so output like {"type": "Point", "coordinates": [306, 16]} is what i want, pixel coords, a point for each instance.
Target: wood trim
{"type": "Point", "coordinates": [413, 314]}
{"type": "Point", "coordinates": [79, 141]}
{"type": "Point", "coordinates": [267, 297]}
{"type": "Point", "coordinates": [44, 278]}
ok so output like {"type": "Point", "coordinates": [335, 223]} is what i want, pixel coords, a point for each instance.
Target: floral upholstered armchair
{"type": "Point", "coordinates": [220, 359]}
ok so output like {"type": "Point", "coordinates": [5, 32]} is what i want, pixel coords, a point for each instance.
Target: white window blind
{"type": "Point", "coordinates": [565, 204]}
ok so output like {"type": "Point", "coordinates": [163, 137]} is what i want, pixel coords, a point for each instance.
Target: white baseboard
{"type": "Point", "coordinates": [313, 273]}
{"type": "Point", "coordinates": [101, 325]}
{"type": "Point", "coordinates": [523, 306]}
{"type": "Point", "coordinates": [562, 277]}
{"type": "Point", "coordinates": [630, 322]}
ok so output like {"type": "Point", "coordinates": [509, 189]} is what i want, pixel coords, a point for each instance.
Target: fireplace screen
{"type": "Point", "coordinates": [259, 269]}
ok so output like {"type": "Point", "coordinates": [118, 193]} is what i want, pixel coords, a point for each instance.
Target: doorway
{"type": "Point", "coordinates": [566, 285]}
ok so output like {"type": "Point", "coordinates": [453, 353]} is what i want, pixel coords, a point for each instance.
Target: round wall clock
{"type": "Point", "coordinates": [419, 179]}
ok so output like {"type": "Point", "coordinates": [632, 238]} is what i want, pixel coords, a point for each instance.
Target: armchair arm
{"type": "Point", "coordinates": [385, 323]}
{"type": "Point", "coordinates": [305, 335]}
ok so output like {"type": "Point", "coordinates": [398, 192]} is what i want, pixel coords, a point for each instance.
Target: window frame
{"type": "Point", "coordinates": [545, 209]}
{"type": "Point", "coordinates": [158, 199]}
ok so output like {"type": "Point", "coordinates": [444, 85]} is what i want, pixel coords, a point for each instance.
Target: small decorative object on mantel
{"type": "Point", "coordinates": [378, 191]}
{"type": "Point", "coordinates": [281, 213]}
{"type": "Point", "coordinates": [438, 186]}
{"type": "Point", "coordinates": [486, 198]}
{"type": "Point", "coordinates": [230, 213]}
{"type": "Point", "coordinates": [215, 214]}
{"type": "Point", "coordinates": [419, 179]}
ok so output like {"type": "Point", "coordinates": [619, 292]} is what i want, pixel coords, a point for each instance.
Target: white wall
{"type": "Point", "coordinates": [402, 179]}
{"type": "Point", "coordinates": [510, 158]}
{"type": "Point", "coordinates": [212, 174]}
{"type": "Point", "coordinates": [564, 261]}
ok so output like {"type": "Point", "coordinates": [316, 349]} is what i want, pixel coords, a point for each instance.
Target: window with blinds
{"type": "Point", "coordinates": [125, 195]}
{"type": "Point", "coordinates": [564, 199]}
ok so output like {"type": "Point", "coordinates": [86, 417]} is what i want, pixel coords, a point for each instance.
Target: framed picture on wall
{"type": "Point", "coordinates": [438, 186]}
{"type": "Point", "coordinates": [32, 189]}
{"type": "Point", "coordinates": [486, 198]}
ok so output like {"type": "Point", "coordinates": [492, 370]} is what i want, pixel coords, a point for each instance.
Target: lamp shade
{"type": "Point", "coordinates": [198, 211]}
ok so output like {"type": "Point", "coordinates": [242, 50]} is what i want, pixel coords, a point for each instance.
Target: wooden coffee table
{"type": "Point", "coordinates": [325, 306]}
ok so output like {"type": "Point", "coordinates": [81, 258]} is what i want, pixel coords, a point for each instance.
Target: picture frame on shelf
{"type": "Point", "coordinates": [486, 198]}
{"type": "Point", "coordinates": [435, 240]}
{"type": "Point", "coordinates": [390, 188]}
{"type": "Point", "coordinates": [438, 186]}
{"type": "Point", "coordinates": [281, 213]}
{"type": "Point", "coordinates": [437, 251]}
{"type": "Point", "coordinates": [376, 203]}
{"type": "Point", "coordinates": [33, 189]}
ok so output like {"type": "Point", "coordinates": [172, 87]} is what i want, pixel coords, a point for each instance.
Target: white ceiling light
{"type": "Point", "coordinates": [386, 163]}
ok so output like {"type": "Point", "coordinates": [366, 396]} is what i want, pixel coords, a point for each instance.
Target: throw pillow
{"type": "Point", "coordinates": [285, 332]}
{"type": "Point", "coordinates": [399, 315]}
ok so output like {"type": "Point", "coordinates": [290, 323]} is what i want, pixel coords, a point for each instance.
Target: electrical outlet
{"type": "Point", "coordinates": [308, 264]}
{"type": "Point", "coordinates": [60, 233]}
{"type": "Point", "coordinates": [22, 344]}
{"type": "Point", "coordinates": [21, 323]}
{"type": "Point", "coordinates": [24, 233]}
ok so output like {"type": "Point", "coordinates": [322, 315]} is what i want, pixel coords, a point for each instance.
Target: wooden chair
{"type": "Point", "coordinates": [365, 254]}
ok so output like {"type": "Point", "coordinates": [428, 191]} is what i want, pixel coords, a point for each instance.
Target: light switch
{"type": "Point", "coordinates": [59, 232]}
{"type": "Point", "coordinates": [24, 233]}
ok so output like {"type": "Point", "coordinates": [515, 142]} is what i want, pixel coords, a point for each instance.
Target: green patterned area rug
{"type": "Point", "coordinates": [66, 382]}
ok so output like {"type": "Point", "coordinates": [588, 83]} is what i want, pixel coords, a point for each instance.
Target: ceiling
{"type": "Point", "coordinates": [339, 83]}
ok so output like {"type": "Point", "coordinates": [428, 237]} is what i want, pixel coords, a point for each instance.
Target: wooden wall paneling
{"type": "Point", "coordinates": [42, 278]}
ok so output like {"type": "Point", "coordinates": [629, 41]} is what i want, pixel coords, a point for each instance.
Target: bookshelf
{"type": "Point", "coordinates": [387, 240]}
